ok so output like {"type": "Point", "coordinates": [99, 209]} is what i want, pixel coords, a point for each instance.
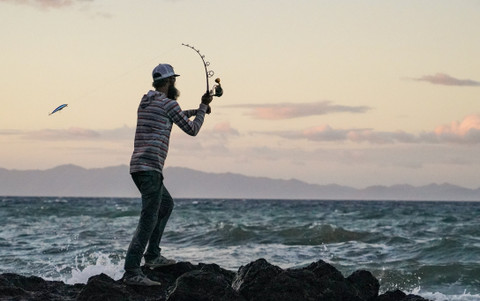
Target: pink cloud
{"type": "Point", "coordinates": [327, 133]}
{"type": "Point", "coordinates": [370, 136]}
{"type": "Point", "coordinates": [324, 133]}
{"type": "Point", "coordinates": [376, 137]}
{"type": "Point", "coordinates": [447, 80]}
{"type": "Point", "coordinates": [466, 131]}
{"type": "Point", "coordinates": [225, 128]}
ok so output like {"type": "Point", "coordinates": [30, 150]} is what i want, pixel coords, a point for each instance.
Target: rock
{"type": "Point", "coordinates": [17, 287]}
{"type": "Point", "coordinates": [257, 281]}
{"type": "Point", "coordinates": [169, 274]}
{"type": "Point", "coordinates": [413, 298]}
{"type": "Point", "coordinates": [398, 295]}
{"type": "Point", "coordinates": [392, 296]}
{"type": "Point", "coordinates": [251, 279]}
{"type": "Point", "coordinates": [102, 287]}
{"type": "Point", "coordinates": [332, 283]}
{"type": "Point", "coordinates": [203, 285]}
{"type": "Point", "coordinates": [260, 280]}
{"type": "Point", "coordinates": [365, 284]}
{"type": "Point", "coordinates": [324, 270]}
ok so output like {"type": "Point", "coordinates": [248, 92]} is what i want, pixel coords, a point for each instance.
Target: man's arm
{"type": "Point", "coordinates": [190, 113]}
{"type": "Point", "coordinates": [191, 127]}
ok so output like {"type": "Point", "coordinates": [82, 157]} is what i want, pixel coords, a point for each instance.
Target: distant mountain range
{"type": "Point", "coordinates": [75, 181]}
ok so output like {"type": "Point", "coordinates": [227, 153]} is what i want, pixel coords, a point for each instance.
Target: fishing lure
{"type": "Point", "coordinates": [58, 108]}
{"type": "Point", "coordinates": [217, 89]}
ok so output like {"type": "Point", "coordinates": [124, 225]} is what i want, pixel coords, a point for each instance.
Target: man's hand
{"type": "Point", "coordinates": [207, 98]}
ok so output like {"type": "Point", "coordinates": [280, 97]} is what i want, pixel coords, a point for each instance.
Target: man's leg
{"type": "Point", "coordinates": [150, 186]}
{"type": "Point", "coordinates": [166, 207]}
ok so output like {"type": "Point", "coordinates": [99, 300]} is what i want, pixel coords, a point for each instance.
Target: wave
{"type": "Point", "coordinates": [234, 234]}
{"type": "Point", "coordinates": [432, 246]}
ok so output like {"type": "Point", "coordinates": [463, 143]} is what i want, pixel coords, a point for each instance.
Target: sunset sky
{"type": "Point", "coordinates": [356, 93]}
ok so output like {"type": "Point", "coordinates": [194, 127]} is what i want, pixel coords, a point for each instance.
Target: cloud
{"type": "Point", "coordinates": [466, 131]}
{"type": "Point", "coordinates": [447, 80]}
{"type": "Point", "coordinates": [297, 110]}
{"type": "Point", "coordinates": [378, 137]}
{"type": "Point", "coordinates": [73, 133]}
{"type": "Point", "coordinates": [47, 3]}
{"type": "Point", "coordinates": [216, 142]}
{"type": "Point", "coordinates": [6, 132]}
{"type": "Point", "coordinates": [42, 3]}
{"type": "Point", "coordinates": [124, 133]}
{"type": "Point", "coordinates": [225, 129]}
{"type": "Point", "coordinates": [318, 133]}
{"type": "Point", "coordinates": [221, 132]}
{"type": "Point", "coordinates": [327, 133]}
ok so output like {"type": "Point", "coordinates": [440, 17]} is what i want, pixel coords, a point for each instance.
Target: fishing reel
{"type": "Point", "coordinates": [217, 89]}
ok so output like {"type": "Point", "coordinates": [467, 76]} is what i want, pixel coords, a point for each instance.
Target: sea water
{"type": "Point", "coordinates": [431, 249]}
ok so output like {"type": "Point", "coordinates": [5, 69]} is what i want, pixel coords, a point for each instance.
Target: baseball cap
{"type": "Point", "coordinates": [163, 71]}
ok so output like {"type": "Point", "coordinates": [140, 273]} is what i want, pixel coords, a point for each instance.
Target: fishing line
{"type": "Point", "coordinates": [136, 67]}
{"type": "Point", "coordinates": [117, 78]}
{"type": "Point", "coordinates": [217, 89]}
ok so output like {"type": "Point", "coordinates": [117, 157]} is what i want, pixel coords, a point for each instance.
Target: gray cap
{"type": "Point", "coordinates": [163, 71]}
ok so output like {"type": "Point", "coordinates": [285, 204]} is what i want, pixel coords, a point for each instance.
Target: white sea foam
{"type": "Point", "coordinates": [104, 264]}
{"type": "Point", "coordinates": [442, 297]}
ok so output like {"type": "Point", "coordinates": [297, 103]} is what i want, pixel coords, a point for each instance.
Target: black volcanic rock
{"type": "Point", "coordinates": [253, 279]}
{"type": "Point", "coordinates": [102, 287]}
{"type": "Point", "coordinates": [398, 295]}
{"type": "Point", "coordinates": [365, 284]}
{"type": "Point", "coordinates": [17, 287]}
{"type": "Point", "coordinates": [203, 285]}
{"type": "Point", "coordinates": [258, 280]}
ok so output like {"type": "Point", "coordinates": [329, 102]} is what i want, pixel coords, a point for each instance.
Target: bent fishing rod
{"type": "Point", "coordinates": [216, 89]}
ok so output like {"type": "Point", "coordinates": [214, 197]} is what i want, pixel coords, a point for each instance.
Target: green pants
{"type": "Point", "coordinates": [157, 205]}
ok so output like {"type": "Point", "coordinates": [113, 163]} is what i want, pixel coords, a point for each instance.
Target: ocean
{"type": "Point", "coordinates": [431, 249]}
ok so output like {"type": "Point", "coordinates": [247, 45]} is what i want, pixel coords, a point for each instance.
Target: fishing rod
{"type": "Point", "coordinates": [217, 89]}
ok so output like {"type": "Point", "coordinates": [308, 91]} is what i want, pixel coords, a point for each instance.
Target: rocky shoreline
{"type": "Point", "coordinates": [256, 281]}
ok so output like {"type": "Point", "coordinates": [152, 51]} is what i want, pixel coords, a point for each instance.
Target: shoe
{"type": "Point", "coordinates": [160, 261]}
{"type": "Point", "coordinates": [140, 280]}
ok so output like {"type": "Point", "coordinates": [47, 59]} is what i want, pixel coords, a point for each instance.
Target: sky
{"type": "Point", "coordinates": [356, 93]}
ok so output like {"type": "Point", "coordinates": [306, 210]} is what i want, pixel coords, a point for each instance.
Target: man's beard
{"type": "Point", "coordinates": [173, 93]}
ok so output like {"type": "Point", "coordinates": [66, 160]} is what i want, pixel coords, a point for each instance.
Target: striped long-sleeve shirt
{"type": "Point", "coordinates": [155, 117]}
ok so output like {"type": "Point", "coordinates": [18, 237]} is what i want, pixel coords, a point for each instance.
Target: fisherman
{"type": "Point", "coordinates": [157, 112]}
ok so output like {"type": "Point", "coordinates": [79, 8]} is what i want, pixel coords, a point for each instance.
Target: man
{"type": "Point", "coordinates": [157, 112]}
